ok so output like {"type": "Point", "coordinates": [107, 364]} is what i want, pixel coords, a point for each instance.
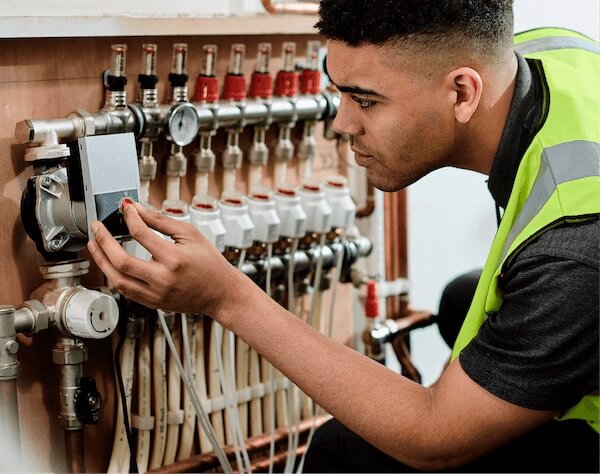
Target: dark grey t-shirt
{"type": "Point", "coordinates": [541, 350]}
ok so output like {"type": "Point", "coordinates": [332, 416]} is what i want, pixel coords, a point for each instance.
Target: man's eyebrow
{"type": "Point", "coordinates": [359, 91]}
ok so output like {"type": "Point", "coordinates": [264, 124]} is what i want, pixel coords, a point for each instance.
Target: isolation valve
{"type": "Point", "coordinates": [207, 82]}
{"type": "Point", "coordinates": [89, 313]}
{"type": "Point", "coordinates": [310, 77]}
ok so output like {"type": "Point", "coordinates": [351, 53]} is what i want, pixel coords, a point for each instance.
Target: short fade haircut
{"type": "Point", "coordinates": [481, 26]}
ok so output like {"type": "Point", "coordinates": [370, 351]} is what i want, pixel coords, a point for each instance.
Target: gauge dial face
{"type": "Point", "coordinates": [183, 124]}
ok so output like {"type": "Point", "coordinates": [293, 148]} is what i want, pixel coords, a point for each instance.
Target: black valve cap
{"type": "Point", "coordinates": [88, 401]}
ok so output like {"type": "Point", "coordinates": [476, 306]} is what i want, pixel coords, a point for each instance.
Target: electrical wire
{"type": "Point", "coordinates": [203, 417]}
{"type": "Point", "coordinates": [227, 390]}
{"type": "Point", "coordinates": [314, 304]}
{"type": "Point", "coordinates": [339, 258]}
{"type": "Point", "coordinates": [117, 358]}
{"type": "Point", "coordinates": [271, 369]}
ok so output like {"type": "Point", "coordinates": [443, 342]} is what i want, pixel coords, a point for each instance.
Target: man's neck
{"type": "Point", "coordinates": [481, 136]}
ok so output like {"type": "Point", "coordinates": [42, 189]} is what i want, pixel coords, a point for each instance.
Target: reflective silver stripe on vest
{"type": "Point", "coordinates": [560, 163]}
{"type": "Point", "coordinates": [556, 42]}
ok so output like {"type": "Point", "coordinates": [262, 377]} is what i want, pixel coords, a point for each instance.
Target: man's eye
{"type": "Point", "coordinates": [363, 103]}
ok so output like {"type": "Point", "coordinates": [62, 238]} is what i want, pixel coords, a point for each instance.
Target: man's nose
{"type": "Point", "coordinates": [346, 121]}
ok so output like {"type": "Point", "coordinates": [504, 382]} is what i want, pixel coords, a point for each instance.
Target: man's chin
{"type": "Point", "coordinates": [383, 185]}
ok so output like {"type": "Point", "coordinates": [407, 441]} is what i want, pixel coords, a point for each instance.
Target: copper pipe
{"type": "Point", "coordinates": [278, 461]}
{"type": "Point", "coordinates": [369, 207]}
{"type": "Point", "coordinates": [400, 346]}
{"type": "Point", "coordinates": [257, 447]}
{"type": "Point", "coordinates": [74, 451]}
{"type": "Point", "coordinates": [303, 8]}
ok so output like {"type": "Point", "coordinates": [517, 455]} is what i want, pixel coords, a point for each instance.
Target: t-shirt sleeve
{"type": "Point", "coordinates": [540, 350]}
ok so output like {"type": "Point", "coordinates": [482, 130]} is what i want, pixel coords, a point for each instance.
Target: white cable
{"type": "Point", "coordinates": [203, 417]}
{"type": "Point", "coordinates": [238, 426]}
{"type": "Point", "coordinates": [313, 307]}
{"type": "Point", "coordinates": [338, 274]}
{"type": "Point", "coordinates": [317, 280]}
{"type": "Point", "coordinates": [294, 407]}
{"type": "Point", "coordinates": [227, 391]}
{"type": "Point", "coordinates": [271, 369]}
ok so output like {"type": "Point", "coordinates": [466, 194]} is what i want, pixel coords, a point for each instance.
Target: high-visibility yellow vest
{"type": "Point", "coordinates": [558, 180]}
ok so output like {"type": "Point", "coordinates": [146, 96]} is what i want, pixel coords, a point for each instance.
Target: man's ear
{"type": "Point", "coordinates": [468, 86]}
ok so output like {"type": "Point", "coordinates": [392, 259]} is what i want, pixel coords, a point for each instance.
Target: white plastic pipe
{"type": "Point", "coordinates": [144, 389]}
{"type": "Point", "coordinates": [190, 387]}
{"type": "Point", "coordinates": [200, 382]}
{"type": "Point", "coordinates": [186, 439]}
{"type": "Point", "coordinates": [159, 389]}
{"type": "Point", "coordinates": [173, 400]}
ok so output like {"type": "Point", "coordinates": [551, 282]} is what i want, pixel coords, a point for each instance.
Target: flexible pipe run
{"type": "Point", "coordinates": [189, 422]}
{"type": "Point", "coordinates": [159, 389]}
{"type": "Point", "coordinates": [173, 401]}
{"type": "Point", "coordinates": [225, 465]}
{"type": "Point", "coordinates": [144, 400]}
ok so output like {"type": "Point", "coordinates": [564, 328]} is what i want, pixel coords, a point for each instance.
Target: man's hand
{"type": "Point", "coordinates": [173, 278]}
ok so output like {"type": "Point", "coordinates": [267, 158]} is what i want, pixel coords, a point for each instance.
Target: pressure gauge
{"type": "Point", "coordinates": [183, 123]}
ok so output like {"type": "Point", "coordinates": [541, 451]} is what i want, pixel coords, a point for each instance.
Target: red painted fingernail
{"type": "Point", "coordinates": [125, 202]}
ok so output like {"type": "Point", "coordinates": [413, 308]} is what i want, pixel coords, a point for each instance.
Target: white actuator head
{"type": "Point", "coordinates": [290, 210]}
{"type": "Point", "coordinates": [206, 217]}
{"type": "Point", "coordinates": [236, 219]}
{"type": "Point", "coordinates": [318, 211]}
{"type": "Point", "coordinates": [90, 314]}
{"type": "Point", "coordinates": [342, 205]}
{"type": "Point", "coordinates": [264, 216]}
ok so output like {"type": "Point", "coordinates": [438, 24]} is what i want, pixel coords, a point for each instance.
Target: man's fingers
{"type": "Point", "coordinates": [160, 222]}
{"type": "Point", "coordinates": [118, 258]}
{"type": "Point", "coordinates": [139, 230]}
{"type": "Point", "coordinates": [128, 286]}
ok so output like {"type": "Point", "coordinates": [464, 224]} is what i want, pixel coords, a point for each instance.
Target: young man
{"type": "Point", "coordinates": [428, 84]}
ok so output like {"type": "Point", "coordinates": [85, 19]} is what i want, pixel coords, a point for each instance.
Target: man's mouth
{"type": "Point", "coordinates": [362, 159]}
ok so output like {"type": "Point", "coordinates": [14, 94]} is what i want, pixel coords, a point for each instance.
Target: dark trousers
{"type": "Point", "coordinates": [557, 446]}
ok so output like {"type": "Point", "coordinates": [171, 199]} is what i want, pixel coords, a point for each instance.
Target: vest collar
{"type": "Point", "coordinates": [523, 117]}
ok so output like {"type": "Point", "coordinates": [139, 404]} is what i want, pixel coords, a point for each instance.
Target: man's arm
{"type": "Point", "coordinates": [427, 428]}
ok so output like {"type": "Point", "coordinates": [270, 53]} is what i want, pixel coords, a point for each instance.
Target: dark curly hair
{"type": "Point", "coordinates": [486, 25]}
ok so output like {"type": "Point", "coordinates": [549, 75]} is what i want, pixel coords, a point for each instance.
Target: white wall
{"type": "Point", "coordinates": [130, 8]}
{"type": "Point", "coordinates": [451, 213]}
